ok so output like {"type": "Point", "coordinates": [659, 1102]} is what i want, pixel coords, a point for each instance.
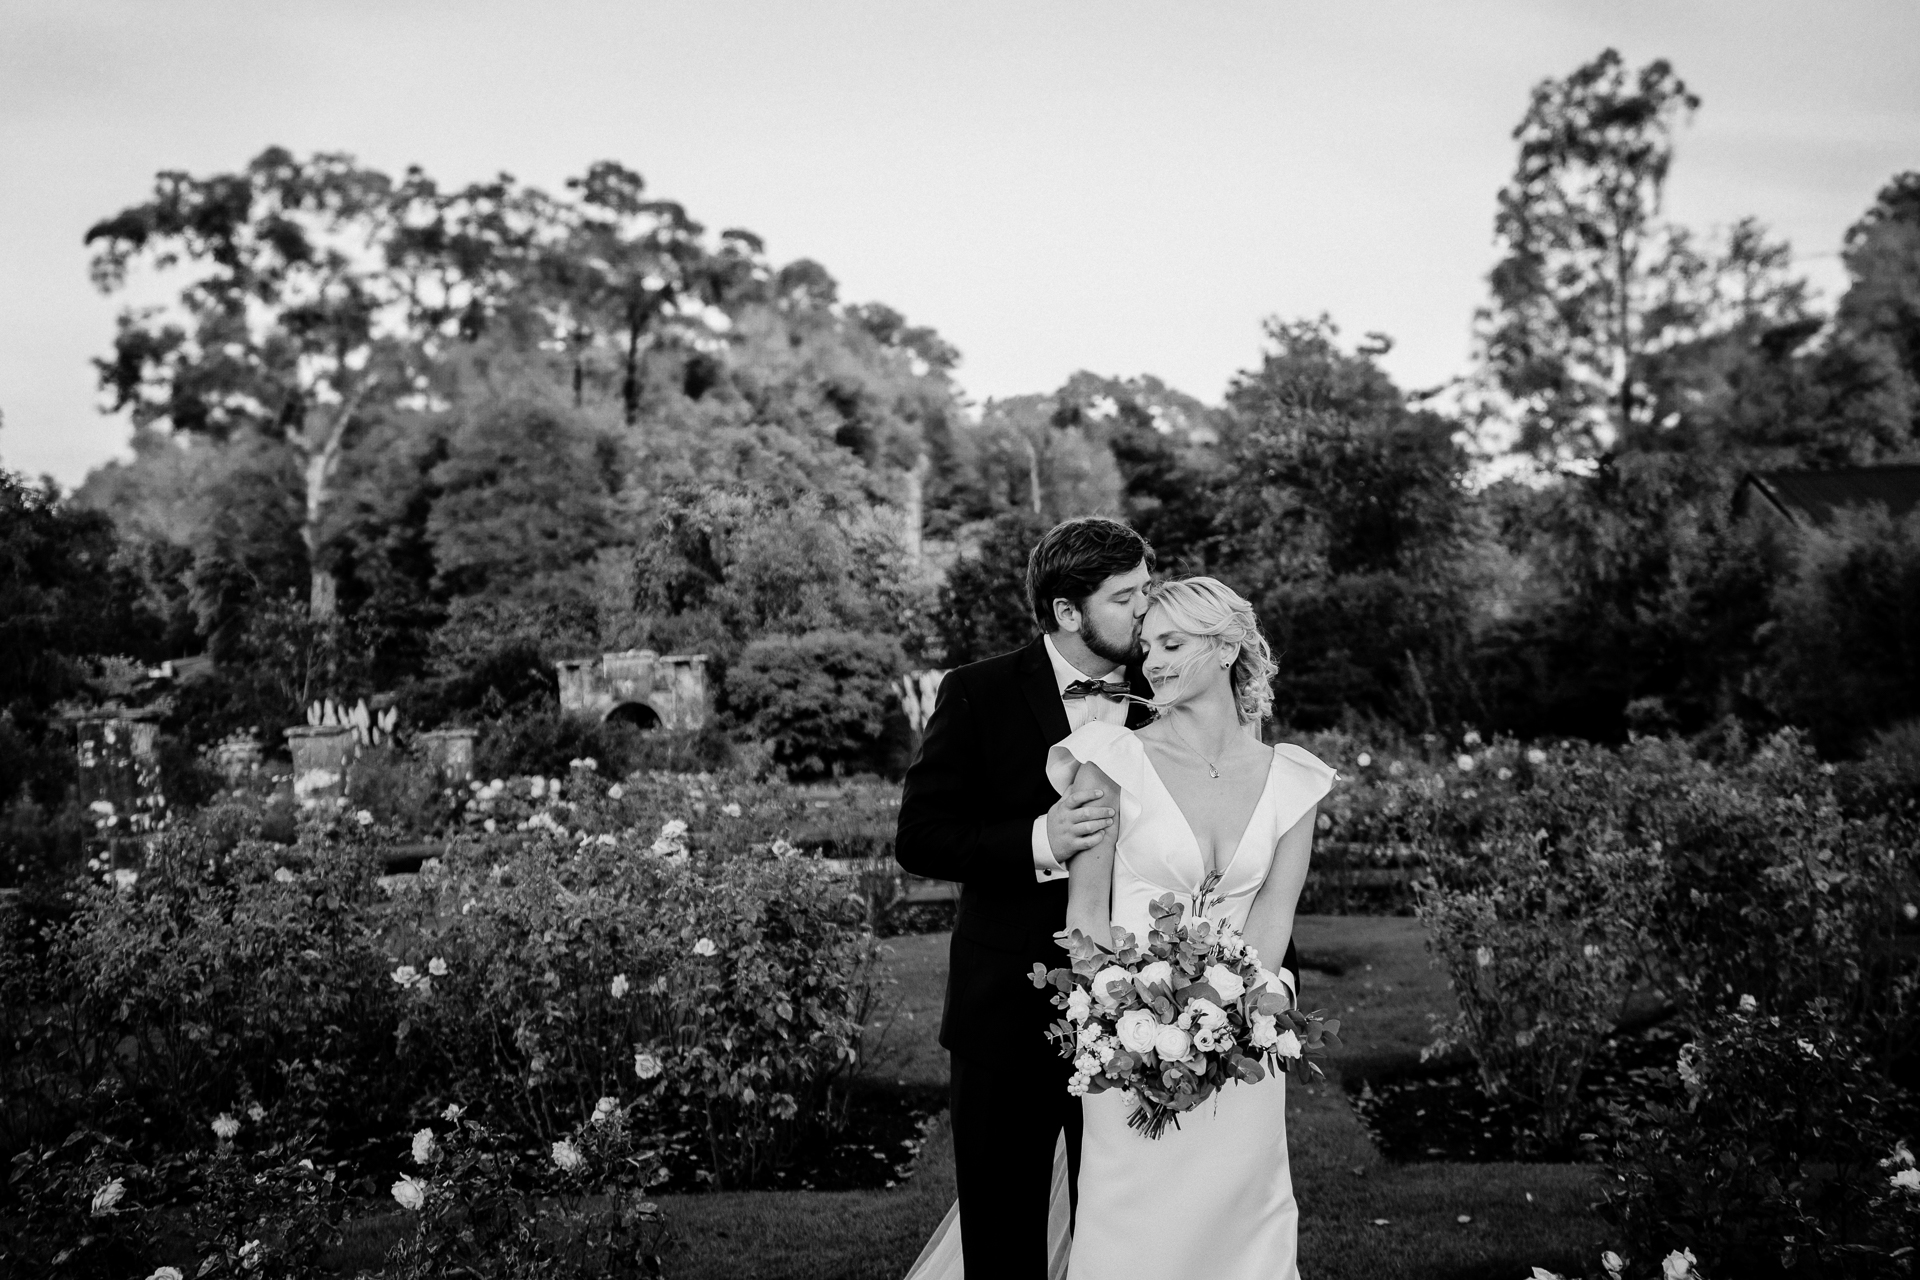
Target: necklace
{"type": "Point", "coordinates": [1189, 746]}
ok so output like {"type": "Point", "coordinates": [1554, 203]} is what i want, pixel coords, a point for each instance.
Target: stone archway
{"type": "Point", "coordinates": [638, 714]}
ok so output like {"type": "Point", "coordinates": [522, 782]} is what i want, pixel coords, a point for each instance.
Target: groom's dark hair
{"type": "Point", "coordinates": [1075, 557]}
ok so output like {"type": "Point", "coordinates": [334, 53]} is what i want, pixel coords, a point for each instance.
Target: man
{"type": "Point", "coordinates": [978, 809]}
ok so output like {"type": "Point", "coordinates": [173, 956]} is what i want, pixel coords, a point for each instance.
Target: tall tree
{"type": "Point", "coordinates": [1583, 291]}
{"type": "Point", "coordinates": [1883, 256]}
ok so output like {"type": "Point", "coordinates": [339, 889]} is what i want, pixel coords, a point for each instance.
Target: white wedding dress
{"type": "Point", "coordinates": [1213, 1198]}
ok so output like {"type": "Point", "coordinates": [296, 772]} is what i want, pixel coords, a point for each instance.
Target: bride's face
{"type": "Point", "coordinates": [1178, 665]}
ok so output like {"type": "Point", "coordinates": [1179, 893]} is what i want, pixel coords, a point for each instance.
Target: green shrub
{"type": "Point", "coordinates": [1538, 906]}
{"type": "Point", "coordinates": [1778, 1162]}
{"type": "Point", "coordinates": [546, 741]}
{"type": "Point", "coordinates": [825, 700]}
{"type": "Point", "coordinates": [534, 981]}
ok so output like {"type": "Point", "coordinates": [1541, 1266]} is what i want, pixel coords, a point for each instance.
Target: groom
{"type": "Point", "coordinates": [978, 809]}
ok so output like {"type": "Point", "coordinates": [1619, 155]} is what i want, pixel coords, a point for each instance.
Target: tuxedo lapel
{"type": "Point", "coordinates": [1042, 693]}
{"type": "Point", "coordinates": [1139, 687]}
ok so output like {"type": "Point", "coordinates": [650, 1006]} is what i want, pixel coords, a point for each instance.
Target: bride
{"type": "Point", "coordinates": [1199, 794]}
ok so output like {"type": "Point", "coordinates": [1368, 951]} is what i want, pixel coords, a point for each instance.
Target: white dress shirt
{"type": "Point", "coordinates": [1079, 711]}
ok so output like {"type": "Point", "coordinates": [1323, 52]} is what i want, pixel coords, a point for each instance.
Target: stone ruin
{"type": "Point", "coordinates": [640, 687]}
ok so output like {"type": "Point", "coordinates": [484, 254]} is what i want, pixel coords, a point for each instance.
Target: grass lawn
{"type": "Point", "coordinates": [1360, 1216]}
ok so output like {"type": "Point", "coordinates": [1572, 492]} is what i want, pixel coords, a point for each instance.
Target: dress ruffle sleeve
{"type": "Point", "coordinates": [1111, 747]}
{"type": "Point", "coordinates": [1303, 782]}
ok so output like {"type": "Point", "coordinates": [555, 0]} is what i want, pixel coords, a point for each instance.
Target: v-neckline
{"type": "Point", "coordinates": [1193, 835]}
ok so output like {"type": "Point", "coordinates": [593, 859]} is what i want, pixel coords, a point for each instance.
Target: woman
{"type": "Point", "coordinates": [1199, 794]}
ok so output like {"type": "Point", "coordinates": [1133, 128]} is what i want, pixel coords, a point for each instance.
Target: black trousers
{"type": "Point", "coordinates": [1006, 1119]}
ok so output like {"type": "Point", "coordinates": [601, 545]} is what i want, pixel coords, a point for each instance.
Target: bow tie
{"type": "Point", "coordinates": [1115, 689]}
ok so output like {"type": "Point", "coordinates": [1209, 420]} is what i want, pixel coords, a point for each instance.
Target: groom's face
{"type": "Point", "coordinates": [1109, 620]}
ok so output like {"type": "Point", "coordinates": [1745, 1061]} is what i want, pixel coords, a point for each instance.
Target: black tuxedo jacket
{"type": "Point", "coordinates": [967, 815]}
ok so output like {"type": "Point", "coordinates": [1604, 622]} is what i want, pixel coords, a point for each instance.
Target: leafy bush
{"type": "Point", "coordinates": [1777, 1164]}
{"type": "Point", "coordinates": [547, 740]}
{"type": "Point", "coordinates": [1538, 906]}
{"type": "Point", "coordinates": [983, 608]}
{"type": "Point", "coordinates": [824, 700]}
{"type": "Point", "coordinates": [730, 990]}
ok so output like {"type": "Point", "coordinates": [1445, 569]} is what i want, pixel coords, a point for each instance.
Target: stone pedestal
{"type": "Point", "coordinates": [449, 752]}
{"type": "Point", "coordinates": [321, 754]}
{"type": "Point", "coordinates": [237, 759]}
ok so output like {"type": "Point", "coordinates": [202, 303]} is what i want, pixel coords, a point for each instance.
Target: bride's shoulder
{"type": "Point", "coordinates": [1301, 758]}
{"type": "Point", "coordinates": [1111, 748]}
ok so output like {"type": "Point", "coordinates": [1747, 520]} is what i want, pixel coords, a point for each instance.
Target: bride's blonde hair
{"type": "Point", "coordinates": [1209, 609]}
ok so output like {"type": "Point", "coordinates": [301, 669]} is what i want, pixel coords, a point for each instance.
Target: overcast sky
{"type": "Point", "coordinates": [1053, 184]}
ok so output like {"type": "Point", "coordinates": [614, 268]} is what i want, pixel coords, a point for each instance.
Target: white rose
{"type": "Point", "coordinates": [411, 1193]}
{"type": "Point", "coordinates": [225, 1127]}
{"type": "Point", "coordinates": [453, 1112]}
{"type": "Point", "coordinates": [1465, 763]}
{"type": "Point", "coordinates": [615, 791]}
{"type": "Point", "coordinates": [1159, 972]}
{"type": "Point", "coordinates": [731, 810]}
{"type": "Point", "coordinates": [1264, 1031]}
{"type": "Point", "coordinates": [705, 947]}
{"type": "Point", "coordinates": [646, 1066]}
{"type": "Point", "coordinates": [1613, 1263]}
{"type": "Point", "coordinates": [603, 1110]}
{"type": "Point", "coordinates": [1172, 1044]}
{"type": "Point", "coordinates": [1749, 1005]}
{"type": "Point", "coordinates": [1206, 1014]}
{"type": "Point", "coordinates": [1137, 1030]}
{"type": "Point", "coordinates": [1079, 1005]}
{"type": "Point", "coordinates": [1677, 1265]}
{"type": "Point", "coordinates": [1204, 1041]}
{"type": "Point", "coordinates": [108, 1196]}
{"type": "Point", "coordinates": [1535, 756]}
{"type": "Point", "coordinates": [425, 1150]}
{"type": "Point", "coordinates": [1483, 956]}
{"type": "Point", "coordinates": [1906, 1180]}
{"type": "Point", "coordinates": [1105, 978]}
{"type": "Point", "coordinates": [1287, 1044]}
{"type": "Point", "coordinates": [567, 1157]}
{"type": "Point", "coordinates": [1224, 980]}
{"type": "Point", "coordinates": [167, 1273]}
{"type": "Point", "coordinates": [619, 987]}
{"type": "Point", "coordinates": [437, 967]}
{"type": "Point", "coordinates": [406, 975]}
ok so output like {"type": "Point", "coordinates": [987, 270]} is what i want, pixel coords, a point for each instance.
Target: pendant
{"type": "Point", "coordinates": [1215, 772]}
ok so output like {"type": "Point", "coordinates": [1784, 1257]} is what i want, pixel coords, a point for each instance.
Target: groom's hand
{"type": "Point", "coordinates": [1074, 825]}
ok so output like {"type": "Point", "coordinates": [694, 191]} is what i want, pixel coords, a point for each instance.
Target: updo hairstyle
{"type": "Point", "coordinates": [1209, 609]}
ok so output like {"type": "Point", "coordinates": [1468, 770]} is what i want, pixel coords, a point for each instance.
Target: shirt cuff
{"type": "Point", "coordinates": [1045, 866]}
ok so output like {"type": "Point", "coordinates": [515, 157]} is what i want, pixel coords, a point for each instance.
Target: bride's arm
{"type": "Point", "coordinates": [1090, 875]}
{"type": "Point", "coordinates": [1270, 919]}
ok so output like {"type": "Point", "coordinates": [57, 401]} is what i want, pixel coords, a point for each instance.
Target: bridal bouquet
{"type": "Point", "coordinates": [1178, 1019]}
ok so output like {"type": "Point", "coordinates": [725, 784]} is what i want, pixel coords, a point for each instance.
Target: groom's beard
{"type": "Point", "coordinates": [1119, 652]}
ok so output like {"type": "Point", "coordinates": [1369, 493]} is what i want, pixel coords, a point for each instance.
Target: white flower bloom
{"type": "Point", "coordinates": [437, 967]}
{"type": "Point", "coordinates": [1264, 1031]}
{"type": "Point", "coordinates": [405, 976]}
{"type": "Point", "coordinates": [620, 986]}
{"type": "Point", "coordinates": [425, 1149]}
{"type": "Point", "coordinates": [1172, 1044]}
{"type": "Point", "coordinates": [567, 1157]}
{"type": "Point", "coordinates": [453, 1112]}
{"type": "Point", "coordinates": [283, 876]}
{"type": "Point", "coordinates": [1906, 1180]}
{"type": "Point", "coordinates": [1287, 1044]}
{"type": "Point", "coordinates": [364, 817]}
{"type": "Point", "coordinates": [646, 1066]}
{"type": "Point", "coordinates": [1749, 1005]}
{"type": "Point", "coordinates": [225, 1127]}
{"type": "Point", "coordinates": [615, 791]}
{"type": "Point", "coordinates": [1539, 1273]}
{"type": "Point", "coordinates": [704, 947]}
{"type": "Point", "coordinates": [603, 1110]}
{"type": "Point", "coordinates": [731, 809]}
{"type": "Point", "coordinates": [1504, 773]}
{"type": "Point", "coordinates": [673, 830]}
{"type": "Point", "coordinates": [1137, 1030]}
{"type": "Point", "coordinates": [490, 825]}
{"type": "Point", "coordinates": [1536, 757]}
{"type": "Point", "coordinates": [1363, 759]}
{"type": "Point", "coordinates": [102, 807]}
{"type": "Point", "coordinates": [256, 1112]}
{"type": "Point", "coordinates": [1106, 978]}
{"type": "Point", "coordinates": [1159, 973]}
{"type": "Point", "coordinates": [411, 1193]}
{"type": "Point", "coordinates": [1203, 1040]}
{"type": "Point", "coordinates": [1229, 984]}
{"type": "Point", "coordinates": [1677, 1265]}
{"type": "Point", "coordinates": [250, 1255]}
{"type": "Point", "coordinates": [167, 1273]}
{"type": "Point", "coordinates": [1079, 1005]}
{"type": "Point", "coordinates": [1483, 956]}
{"type": "Point", "coordinates": [1613, 1264]}
{"type": "Point", "coordinates": [1466, 763]}
{"type": "Point", "coordinates": [1590, 951]}
{"type": "Point", "coordinates": [1471, 737]}
{"type": "Point", "coordinates": [1901, 1157]}
{"type": "Point", "coordinates": [125, 878]}
{"type": "Point", "coordinates": [1088, 1035]}
{"type": "Point", "coordinates": [108, 1196]}
{"type": "Point", "coordinates": [1205, 1013]}
{"type": "Point", "coordinates": [1910, 911]}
